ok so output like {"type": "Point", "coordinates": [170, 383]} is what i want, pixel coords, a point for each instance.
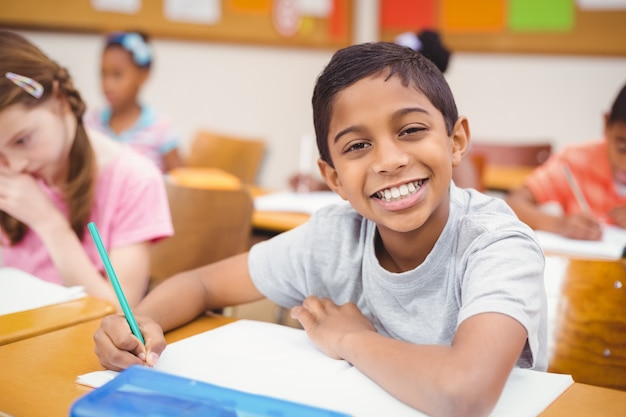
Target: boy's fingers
{"type": "Point", "coordinates": [117, 348]}
{"type": "Point", "coordinates": [155, 342]}
{"type": "Point", "coordinates": [110, 356]}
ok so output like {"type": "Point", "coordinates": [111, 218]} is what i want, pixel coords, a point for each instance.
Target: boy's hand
{"type": "Point", "coordinates": [580, 226]}
{"type": "Point", "coordinates": [117, 348]}
{"type": "Point", "coordinates": [618, 214]}
{"type": "Point", "coordinates": [327, 324]}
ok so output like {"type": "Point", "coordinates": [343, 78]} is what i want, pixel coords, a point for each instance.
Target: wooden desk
{"type": "Point", "coordinates": [582, 400]}
{"type": "Point", "coordinates": [504, 178]}
{"type": "Point", "coordinates": [29, 323]}
{"type": "Point", "coordinates": [38, 374]}
{"type": "Point", "coordinates": [274, 221]}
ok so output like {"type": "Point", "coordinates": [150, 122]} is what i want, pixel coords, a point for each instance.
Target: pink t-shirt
{"type": "Point", "coordinates": [130, 207]}
{"type": "Point", "coordinates": [589, 165]}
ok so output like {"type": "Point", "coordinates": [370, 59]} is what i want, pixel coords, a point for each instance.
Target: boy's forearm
{"type": "Point", "coordinates": [442, 380]}
{"type": "Point", "coordinates": [412, 373]}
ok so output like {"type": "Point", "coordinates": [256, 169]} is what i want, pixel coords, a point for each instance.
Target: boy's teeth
{"type": "Point", "coordinates": [396, 193]}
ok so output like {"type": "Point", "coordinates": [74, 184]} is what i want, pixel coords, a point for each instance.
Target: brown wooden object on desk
{"type": "Point", "coordinates": [37, 374]}
{"type": "Point", "coordinates": [507, 165]}
{"type": "Point", "coordinates": [209, 225]}
{"type": "Point", "coordinates": [29, 323]}
{"type": "Point", "coordinates": [240, 156]}
{"type": "Point", "coordinates": [590, 334]}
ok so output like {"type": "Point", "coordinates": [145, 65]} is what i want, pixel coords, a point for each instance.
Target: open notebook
{"type": "Point", "coordinates": [612, 245]}
{"type": "Point", "coordinates": [281, 362]}
{"type": "Point", "coordinates": [20, 291]}
{"type": "Point", "coordinates": [291, 201]}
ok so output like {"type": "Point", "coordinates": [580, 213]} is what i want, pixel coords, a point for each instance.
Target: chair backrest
{"type": "Point", "coordinates": [241, 157]}
{"type": "Point", "coordinates": [209, 225]}
{"type": "Point", "coordinates": [505, 165]}
{"type": "Point", "coordinates": [590, 330]}
{"type": "Point", "coordinates": [518, 154]}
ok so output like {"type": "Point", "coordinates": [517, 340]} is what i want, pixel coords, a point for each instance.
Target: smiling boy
{"type": "Point", "coordinates": [433, 291]}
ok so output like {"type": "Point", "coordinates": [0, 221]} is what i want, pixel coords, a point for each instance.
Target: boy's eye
{"type": "Point", "coordinates": [411, 130]}
{"type": "Point", "coordinates": [357, 146]}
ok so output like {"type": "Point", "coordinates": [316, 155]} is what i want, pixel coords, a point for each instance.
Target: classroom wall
{"type": "Point", "coordinates": [265, 91]}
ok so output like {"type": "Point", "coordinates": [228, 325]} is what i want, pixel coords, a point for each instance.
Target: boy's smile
{"type": "Point", "coordinates": [392, 154]}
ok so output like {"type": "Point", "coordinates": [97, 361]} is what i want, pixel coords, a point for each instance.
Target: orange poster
{"type": "Point", "coordinates": [462, 16]}
{"type": "Point", "coordinates": [251, 6]}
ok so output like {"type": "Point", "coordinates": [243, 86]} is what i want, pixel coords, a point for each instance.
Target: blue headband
{"type": "Point", "coordinates": [133, 43]}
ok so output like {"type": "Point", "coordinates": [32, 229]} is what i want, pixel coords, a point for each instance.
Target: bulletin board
{"type": "Point", "coordinates": [573, 27]}
{"type": "Point", "coordinates": [312, 23]}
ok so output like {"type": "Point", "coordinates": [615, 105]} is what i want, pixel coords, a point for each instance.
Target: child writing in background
{"type": "Point", "coordinates": [433, 291]}
{"type": "Point", "coordinates": [56, 176]}
{"type": "Point", "coordinates": [599, 172]}
{"type": "Point", "coordinates": [126, 63]}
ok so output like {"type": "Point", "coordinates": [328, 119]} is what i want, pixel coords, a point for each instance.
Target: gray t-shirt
{"type": "Point", "coordinates": [485, 260]}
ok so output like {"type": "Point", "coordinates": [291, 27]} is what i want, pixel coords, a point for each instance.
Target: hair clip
{"type": "Point", "coordinates": [409, 39]}
{"type": "Point", "coordinates": [135, 44]}
{"type": "Point", "coordinates": [27, 84]}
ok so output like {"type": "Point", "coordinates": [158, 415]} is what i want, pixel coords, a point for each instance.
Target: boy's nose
{"type": "Point", "coordinates": [389, 157]}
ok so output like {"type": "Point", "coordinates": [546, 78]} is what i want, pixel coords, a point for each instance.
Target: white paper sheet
{"type": "Point", "coordinates": [20, 291]}
{"type": "Point", "coordinates": [288, 201]}
{"type": "Point", "coordinates": [610, 247]}
{"type": "Point", "coordinates": [281, 362]}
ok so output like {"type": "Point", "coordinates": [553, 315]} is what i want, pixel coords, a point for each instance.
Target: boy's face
{"type": "Point", "coordinates": [392, 154]}
{"type": "Point", "coordinates": [615, 134]}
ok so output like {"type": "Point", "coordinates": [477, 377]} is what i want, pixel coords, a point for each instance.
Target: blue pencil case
{"type": "Point", "coordinates": [142, 391]}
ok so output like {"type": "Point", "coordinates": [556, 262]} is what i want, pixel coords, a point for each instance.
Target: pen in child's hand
{"type": "Point", "coordinates": [115, 282]}
{"type": "Point", "coordinates": [578, 194]}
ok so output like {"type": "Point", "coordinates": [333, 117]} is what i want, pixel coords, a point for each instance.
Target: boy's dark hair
{"type": "Point", "coordinates": [356, 62]}
{"type": "Point", "coordinates": [618, 110]}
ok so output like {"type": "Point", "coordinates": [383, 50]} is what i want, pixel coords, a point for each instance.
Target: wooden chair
{"type": "Point", "coordinates": [241, 157]}
{"type": "Point", "coordinates": [209, 225]}
{"type": "Point", "coordinates": [507, 165]}
{"type": "Point", "coordinates": [590, 331]}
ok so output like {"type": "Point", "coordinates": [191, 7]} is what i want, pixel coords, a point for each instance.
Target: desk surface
{"type": "Point", "coordinates": [504, 178]}
{"type": "Point", "coordinates": [275, 221]}
{"type": "Point", "coordinates": [38, 374]}
{"type": "Point", "coordinates": [29, 323]}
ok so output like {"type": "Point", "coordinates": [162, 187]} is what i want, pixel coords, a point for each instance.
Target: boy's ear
{"type": "Point", "coordinates": [330, 177]}
{"type": "Point", "coordinates": [460, 140]}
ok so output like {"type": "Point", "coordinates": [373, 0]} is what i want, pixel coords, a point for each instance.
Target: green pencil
{"type": "Point", "coordinates": [115, 282]}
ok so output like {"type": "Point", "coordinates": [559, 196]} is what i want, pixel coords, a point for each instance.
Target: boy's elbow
{"type": "Point", "coordinates": [462, 402]}
{"type": "Point", "coordinates": [464, 396]}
